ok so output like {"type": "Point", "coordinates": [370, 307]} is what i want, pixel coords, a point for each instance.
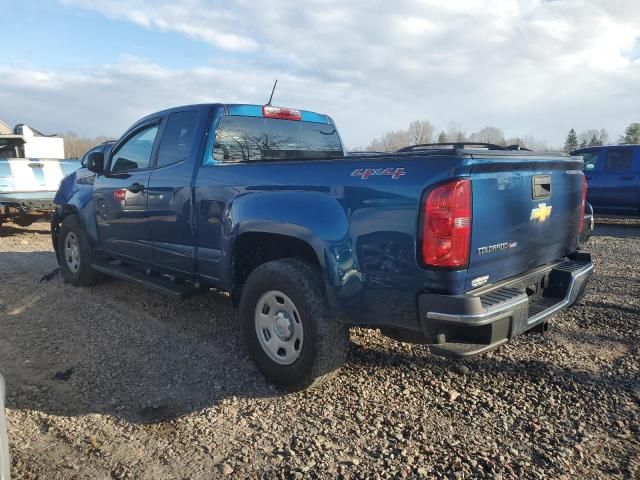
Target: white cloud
{"type": "Point", "coordinates": [530, 67]}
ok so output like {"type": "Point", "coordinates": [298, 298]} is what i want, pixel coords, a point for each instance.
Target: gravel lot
{"type": "Point", "coordinates": [117, 382]}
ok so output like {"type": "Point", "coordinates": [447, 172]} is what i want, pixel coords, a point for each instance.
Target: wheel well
{"type": "Point", "coordinates": [56, 222]}
{"type": "Point", "coordinates": [69, 210]}
{"type": "Point", "coordinates": [253, 249]}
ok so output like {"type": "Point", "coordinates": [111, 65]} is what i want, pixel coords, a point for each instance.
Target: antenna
{"type": "Point", "coordinates": [273, 90]}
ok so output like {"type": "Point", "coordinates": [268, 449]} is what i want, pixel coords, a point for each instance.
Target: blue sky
{"type": "Point", "coordinates": [54, 36]}
{"type": "Point", "coordinates": [530, 67]}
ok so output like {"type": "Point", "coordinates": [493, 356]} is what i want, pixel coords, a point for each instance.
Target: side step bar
{"type": "Point", "coordinates": [158, 283]}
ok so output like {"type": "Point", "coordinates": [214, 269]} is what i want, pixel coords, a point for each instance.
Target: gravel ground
{"type": "Point", "coordinates": [117, 382]}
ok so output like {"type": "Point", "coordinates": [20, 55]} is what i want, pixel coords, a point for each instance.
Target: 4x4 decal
{"type": "Point", "coordinates": [365, 173]}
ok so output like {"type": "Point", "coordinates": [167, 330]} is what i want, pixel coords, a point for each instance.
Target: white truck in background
{"type": "Point", "coordinates": [31, 167]}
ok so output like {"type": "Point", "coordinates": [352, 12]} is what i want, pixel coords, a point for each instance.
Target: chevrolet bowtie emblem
{"type": "Point", "coordinates": [541, 213]}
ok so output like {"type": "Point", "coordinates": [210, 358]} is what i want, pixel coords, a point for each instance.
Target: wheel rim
{"type": "Point", "coordinates": [72, 252]}
{"type": "Point", "coordinates": [279, 327]}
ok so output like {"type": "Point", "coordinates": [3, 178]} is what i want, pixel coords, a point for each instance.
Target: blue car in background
{"type": "Point", "coordinates": [613, 177]}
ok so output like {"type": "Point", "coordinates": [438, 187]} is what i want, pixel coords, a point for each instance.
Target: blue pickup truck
{"type": "Point", "coordinates": [613, 177]}
{"type": "Point", "coordinates": [458, 246]}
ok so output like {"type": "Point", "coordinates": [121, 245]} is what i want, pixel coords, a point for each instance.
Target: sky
{"type": "Point", "coordinates": [529, 67]}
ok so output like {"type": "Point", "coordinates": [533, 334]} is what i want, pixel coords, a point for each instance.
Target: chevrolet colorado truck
{"type": "Point", "coordinates": [462, 247]}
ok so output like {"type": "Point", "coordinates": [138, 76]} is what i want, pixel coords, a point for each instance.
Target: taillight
{"type": "Point", "coordinates": [269, 111]}
{"type": "Point", "coordinates": [446, 234]}
{"type": "Point", "coordinates": [583, 203]}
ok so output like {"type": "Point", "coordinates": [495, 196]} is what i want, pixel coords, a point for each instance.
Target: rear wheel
{"type": "Point", "coordinates": [287, 326]}
{"type": "Point", "coordinates": [74, 251]}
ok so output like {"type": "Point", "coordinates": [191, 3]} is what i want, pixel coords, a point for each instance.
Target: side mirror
{"type": "Point", "coordinates": [95, 162]}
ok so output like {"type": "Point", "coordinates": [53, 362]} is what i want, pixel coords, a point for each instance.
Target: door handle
{"type": "Point", "coordinates": [135, 188]}
{"type": "Point", "coordinates": [626, 177]}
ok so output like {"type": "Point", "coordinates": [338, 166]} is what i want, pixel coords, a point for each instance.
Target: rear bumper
{"type": "Point", "coordinates": [473, 323]}
{"type": "Point", "coordinates": [18, 205]}
{"type": "Point", "coordinates": [28, 201]}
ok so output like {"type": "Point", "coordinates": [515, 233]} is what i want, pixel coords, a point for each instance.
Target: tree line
{"type": "Point", "coordinates": [76, 146]}
{"type": "Point", "coordinates": [423, 131]}
{"type": "Point", "coordinates": [590, 138]}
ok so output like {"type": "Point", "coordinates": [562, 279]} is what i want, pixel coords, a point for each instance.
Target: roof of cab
{"type": "Point", "coordinates": [241, 109]}
{"type": "Point", "coordinates": [600, 147]}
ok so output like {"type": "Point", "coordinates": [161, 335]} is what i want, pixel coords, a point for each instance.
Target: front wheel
{"type": "Point", "coordinates": [74, 252]}
{"type": "Point", "coordinates": [287, 325]}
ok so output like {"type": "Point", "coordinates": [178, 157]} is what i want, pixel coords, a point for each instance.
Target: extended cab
{"type": "Point", "coordinates": [461, 247]}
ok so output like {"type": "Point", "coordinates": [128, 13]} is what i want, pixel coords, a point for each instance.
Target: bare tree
{"type": "Point", "coordinates": [455, 133]}
{"type": "Point", "coordinates": [390, 142]}
{"type": "Point", "coordinates": [592, 137]}
{"type": "Point", "coordinates": [76, 146]}
{"type": "Point", "coordinates": [420, 131]}
{"type": "Point", "coordinates": [604, 136]}
{"type": "Point", "coordinates": [488, 135]}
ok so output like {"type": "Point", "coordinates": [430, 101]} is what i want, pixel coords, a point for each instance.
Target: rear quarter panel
{"type": "Point", "coordinates": [363, 230]}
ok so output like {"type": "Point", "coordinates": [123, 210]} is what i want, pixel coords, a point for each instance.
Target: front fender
{"type": "Point", "coordinates": [75, 197]}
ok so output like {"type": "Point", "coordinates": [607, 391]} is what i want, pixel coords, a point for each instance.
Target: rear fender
{"type": "Point", "coordinates": [312, 217]}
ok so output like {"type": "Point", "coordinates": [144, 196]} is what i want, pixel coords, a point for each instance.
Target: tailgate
{"type": "Point", "coordinates": [34, 175]}
{"type": "Point", "coordinates": [526, 213]}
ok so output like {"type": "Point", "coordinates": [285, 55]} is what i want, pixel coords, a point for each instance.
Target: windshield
{"type": "Point", "coordinates": [10, 148]}
{"type": "Point", "coordinates": [248, 139]}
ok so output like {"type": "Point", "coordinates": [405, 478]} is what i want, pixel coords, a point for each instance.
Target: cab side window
{"type": "Point", "coordinates": [135, 153]}
{"type": "Point", "coordinates": [619, 160]}
{"type": "Point", "coordinates": [177, 138]}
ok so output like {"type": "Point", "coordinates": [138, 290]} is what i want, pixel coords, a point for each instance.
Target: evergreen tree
{"type": "Point", "coordinates": [571, 143]}
{"type": "Point", "coordinates": [595, 141]}
{"type": "Point", "coordinates": [442, 138]}
{"type": "Point", "coordinates": [631, 134]}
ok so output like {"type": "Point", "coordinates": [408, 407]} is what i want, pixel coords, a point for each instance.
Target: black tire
{"type": "Point", "coordinates": [326, 342]}
{"type": "Point", "coordinates": [84, 275]}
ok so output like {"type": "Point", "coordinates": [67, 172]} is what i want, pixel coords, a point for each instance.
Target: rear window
{"type": "Point", "coordinates": [251, 139]}
{"type": "Point", "coordinates": [10, 148]}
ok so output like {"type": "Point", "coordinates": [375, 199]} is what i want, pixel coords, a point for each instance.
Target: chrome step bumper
{"type": "Point", "coordinates": [470, 324]}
